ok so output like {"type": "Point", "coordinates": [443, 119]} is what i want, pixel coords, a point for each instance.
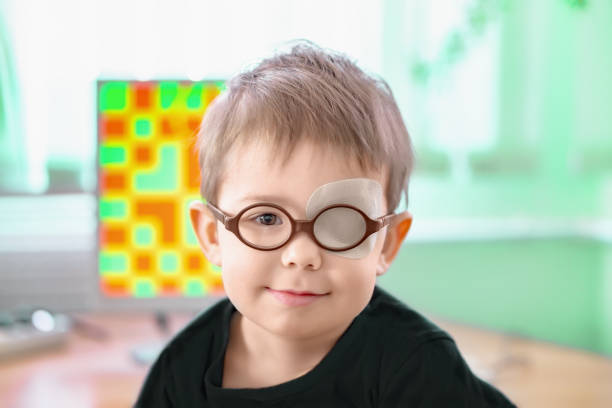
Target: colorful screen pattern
{"type": "Point", "coordinates": [148, 174]}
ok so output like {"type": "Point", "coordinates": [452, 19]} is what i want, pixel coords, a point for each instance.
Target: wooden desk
{"type": "Point", "coordinates": [535, 373]}
{"type": "Point", "coordinates": [89, 373]}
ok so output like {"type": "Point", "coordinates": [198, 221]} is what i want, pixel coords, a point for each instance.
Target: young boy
{"type": "Point", "coordinates": [303, 162]}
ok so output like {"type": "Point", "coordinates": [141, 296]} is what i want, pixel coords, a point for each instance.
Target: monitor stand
{"type": "Point", "coordinates": [146, 354]}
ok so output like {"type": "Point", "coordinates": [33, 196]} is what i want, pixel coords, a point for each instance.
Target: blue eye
{"type": "Point", "coordinates": [268, 219]}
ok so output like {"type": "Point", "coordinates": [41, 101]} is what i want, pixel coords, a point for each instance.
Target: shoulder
{"type": "Point", "coordinates": [401, 325]}
{"type": "Point", "coordinates": [204, 328]}
{"type": "Point", "coordinates": [180, 366]}
{"type": "Point", "coordinates": [421, 362]}
{"type": "Point", "coordinates": [395, 332]}
{"type": "Point", "coordinates": [437, 375]}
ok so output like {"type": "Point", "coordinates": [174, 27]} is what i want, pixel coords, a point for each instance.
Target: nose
{"type": "Point", "coordinates": [301, 251]}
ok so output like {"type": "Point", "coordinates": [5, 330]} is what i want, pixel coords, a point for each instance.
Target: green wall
{"type": "Point", "coordinates": [550, 160]}
{"type": "Point", "coordinates": [551, 289]}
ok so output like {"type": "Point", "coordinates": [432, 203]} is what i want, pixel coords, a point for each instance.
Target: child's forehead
{"type": "Point", "coordinates": [248, 197]}
{"type": "Point", "coordinates": [300, 195]}
{"type": "Point", "coordinates": [364, 193]}
{"type": "Point", "coordinates": [257, 172]}
{"type": "Point", "coordinates": [276, 158]}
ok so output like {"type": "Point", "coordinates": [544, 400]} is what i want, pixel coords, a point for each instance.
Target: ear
{"type": "Point", "coordinates": [396, 233]}
{"type": "Point", "coordinates": [204, 225]}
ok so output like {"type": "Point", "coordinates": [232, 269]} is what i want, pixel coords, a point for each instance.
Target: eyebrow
{"type": "Point", "coordinates": [269, 198]}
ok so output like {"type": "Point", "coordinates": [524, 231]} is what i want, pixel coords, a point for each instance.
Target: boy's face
{"type": "Point", "coordinates": [253, 278]}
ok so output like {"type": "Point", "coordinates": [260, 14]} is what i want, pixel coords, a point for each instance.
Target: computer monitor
{"type": "Point", "coordinates": [148, 173]}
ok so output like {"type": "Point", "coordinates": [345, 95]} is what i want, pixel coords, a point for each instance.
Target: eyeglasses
{"type": "Point", "coordinates": [267, 226]}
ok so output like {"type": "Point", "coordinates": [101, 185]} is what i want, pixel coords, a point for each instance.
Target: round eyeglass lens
{"type": "Point", "coordinates": [264, 227]}
{"type": "Point", "coordinates": [339, 227]}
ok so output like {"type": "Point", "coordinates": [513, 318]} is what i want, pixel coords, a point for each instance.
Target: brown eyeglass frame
{"type": "Point", "coordinates": [307, 226]}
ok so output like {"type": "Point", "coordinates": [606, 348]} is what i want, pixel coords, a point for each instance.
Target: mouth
{"type": "Point", "coordinates": [292, 297]}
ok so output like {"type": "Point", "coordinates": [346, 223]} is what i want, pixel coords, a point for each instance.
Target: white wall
{"type": "Point", "coordinates": [63, 46]}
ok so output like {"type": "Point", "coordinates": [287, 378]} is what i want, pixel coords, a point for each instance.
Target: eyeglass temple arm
{"type": "Point", "coordinates": [386, 220]}
{"type": "Point", "coordinates": [217, 213]}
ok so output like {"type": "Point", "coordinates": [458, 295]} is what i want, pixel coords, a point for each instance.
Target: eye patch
{"type": "Point", "coordinates": [363, 193]}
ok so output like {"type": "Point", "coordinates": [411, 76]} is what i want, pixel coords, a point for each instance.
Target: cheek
{"type": "Point", "coordinates": [355, 277]}
{"type": "Point", "coordinates": [242, 266]}
{"type": "Point", "coordinates": [362, 268]}
{"type": "Point", "coordinates": [233, 251]}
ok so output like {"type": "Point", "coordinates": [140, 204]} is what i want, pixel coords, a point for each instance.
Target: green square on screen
{"type": "Point", "coordinates": [113, 96]}
{"type": "Point", "coordinates": [115, 209]}
{"type": "Point", "coordinates": [143, 235]}
{"type": "Point", "coordinates": [112, 155]}
{"type": "Point", "coordinates": [167, 93]}
{"type": "Point", "coordinates": [169, 263]}
{"type": "Point", "coordinates": [195, 288]}
{"type": "Point", "coordinates": [194, 99]}
{"type": "Point", "coordinates": [142, 127]}
{"type": "Point", "coordinates": [112, 263]}
{"type": "Point", "coordinates": [144, 288]}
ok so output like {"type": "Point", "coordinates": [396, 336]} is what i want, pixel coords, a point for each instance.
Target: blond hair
{"type": "Point", "coordinates": [314, 93]}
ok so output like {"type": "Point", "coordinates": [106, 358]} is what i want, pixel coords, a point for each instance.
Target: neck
{"type": "Point", "coordinates": [286, 354]}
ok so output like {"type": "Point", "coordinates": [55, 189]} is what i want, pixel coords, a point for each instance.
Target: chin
{"type": "Point", "coordinates": [298, 329]}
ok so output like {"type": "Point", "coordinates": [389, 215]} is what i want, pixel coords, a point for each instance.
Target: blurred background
{"type": "Point", "coordinates": [507, 102]}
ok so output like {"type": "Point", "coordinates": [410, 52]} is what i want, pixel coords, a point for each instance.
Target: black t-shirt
{"type": "Point", "coordinates": [390, 356]}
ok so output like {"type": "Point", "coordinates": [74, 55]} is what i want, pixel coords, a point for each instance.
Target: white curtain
{"type": "Point", "coordinates": [13, 158]}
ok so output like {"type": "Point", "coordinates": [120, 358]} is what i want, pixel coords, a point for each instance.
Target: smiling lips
{"type": "Point", "coordinates": [295, 298]}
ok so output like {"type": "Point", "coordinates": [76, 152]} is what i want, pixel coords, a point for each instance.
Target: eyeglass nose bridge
{"type": "Point", "coordinates": [306, 226]}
